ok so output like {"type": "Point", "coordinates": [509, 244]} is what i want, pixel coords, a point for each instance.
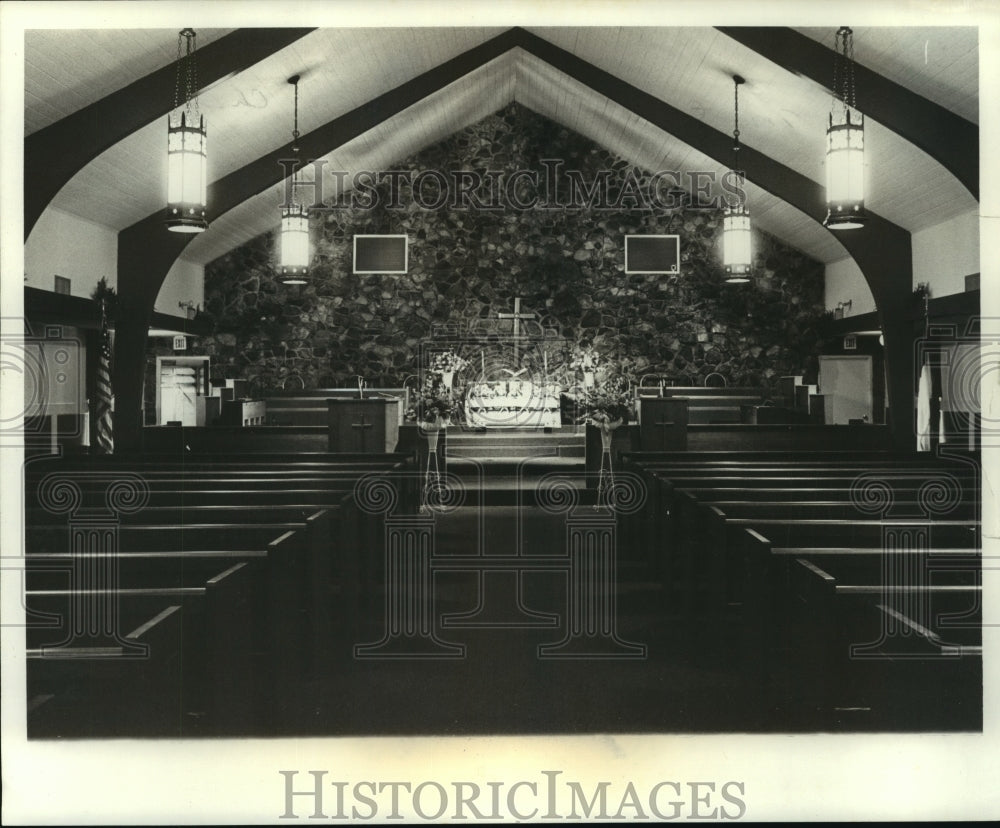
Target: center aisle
{"type": "Point", "coordinates": [502, 684]}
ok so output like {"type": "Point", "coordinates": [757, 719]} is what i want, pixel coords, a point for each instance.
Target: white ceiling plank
{"type": "Point", "coordinates": [940, 63]}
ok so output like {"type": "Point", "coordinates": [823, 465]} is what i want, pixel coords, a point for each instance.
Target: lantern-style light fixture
{"type": "Point", "coordinates": [294, 235]}
{"type": "Point", "coordinates": [845, 143]}
{"type": "Point", "coordinates": [737, 255]}
{"type": "Point", "coordinates": [187, 155]}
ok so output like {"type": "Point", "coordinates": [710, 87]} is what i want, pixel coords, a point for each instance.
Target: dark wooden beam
{"type": "Point", "coordinates": [46, 307]}
{"type": "Point", "coordinates": [181, 324]}
{"type": "Point", "coordinates": [53, 155]}
{"type": "Point", "coordinates": [853, 324]}
{"type": "Point", "coordinates": [959, 309]}
{"type": "Point", "coordinates": [946, 137]}
{"type": "Point", "coordinates": [955, 307]}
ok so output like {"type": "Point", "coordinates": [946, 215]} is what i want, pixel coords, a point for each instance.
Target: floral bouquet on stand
{"type": "Point", "coordinates": [608, 404]}
{"type": "Point", "coordinates": [433, 405]}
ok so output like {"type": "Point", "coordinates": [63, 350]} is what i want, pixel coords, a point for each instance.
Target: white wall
{"type": "Point", "coordinates": [62, 244]}
{"type": "Point", "coordinates": [846, 283]}
{"type": "Point", "coordinates": [943, 255]}
{"type": "Point", "coordinates": [184, 283]}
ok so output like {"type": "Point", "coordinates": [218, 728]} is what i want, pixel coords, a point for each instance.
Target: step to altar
{"type": "Point", "coordinates": [513, 482]}
{"type": "Point", "coordinates": [514, 443]}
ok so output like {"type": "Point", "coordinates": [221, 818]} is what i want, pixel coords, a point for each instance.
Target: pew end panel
{"type": "Point", "coordinates": [109, 693]}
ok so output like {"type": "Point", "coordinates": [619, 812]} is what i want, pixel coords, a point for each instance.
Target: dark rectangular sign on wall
{"type": "Point", "coordinates": [652, 254]}
{"type": "Point", "coordinates": [380, 254]}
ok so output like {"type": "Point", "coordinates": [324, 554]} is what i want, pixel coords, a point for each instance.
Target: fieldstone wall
{"type": "Point", "coordinates": [467, 264]}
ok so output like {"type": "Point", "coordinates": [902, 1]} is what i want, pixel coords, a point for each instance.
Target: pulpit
{"type": "Point", "coordinates": [663, 423]}
{"type": "Point", "coordinates": [363, 425]}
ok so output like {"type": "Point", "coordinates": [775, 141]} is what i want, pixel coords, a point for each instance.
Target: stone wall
{"type": "Point", "coordinates": [466, 264]}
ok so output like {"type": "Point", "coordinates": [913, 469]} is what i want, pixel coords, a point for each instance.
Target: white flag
{"type": "Point", "coordinates": [924, 410]}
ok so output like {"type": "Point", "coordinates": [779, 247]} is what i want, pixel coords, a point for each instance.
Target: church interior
{"type": "Point", "coordinates": [517, 380]}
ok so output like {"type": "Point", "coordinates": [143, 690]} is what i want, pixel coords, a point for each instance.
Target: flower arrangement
{"type": "Point", "coordinates": [585, 358]}
{"type": "Point", "coordinates": [447, 361]}
{"type": "Point", "coordinates": [433, 403]}
{"type": "Point", "coordinates": [607, 403]}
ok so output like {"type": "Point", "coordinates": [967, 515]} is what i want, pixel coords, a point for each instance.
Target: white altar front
{"type": "Point", "coordinates": [512, 403]}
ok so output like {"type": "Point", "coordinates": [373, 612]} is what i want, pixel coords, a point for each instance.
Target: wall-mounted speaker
{"type": "Point", "coordinates": [381, 254]}
{"type": "Point", "coordinates": [652, 254]}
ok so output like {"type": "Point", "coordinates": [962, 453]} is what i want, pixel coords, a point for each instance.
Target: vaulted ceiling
{"type": "Point", "coordinates": [249, 110]}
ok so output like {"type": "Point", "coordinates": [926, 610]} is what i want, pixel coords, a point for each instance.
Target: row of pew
{"type": "Point", "coordinates": [175, 596]}
{"type": "Point", "coordinates": [852, 582]}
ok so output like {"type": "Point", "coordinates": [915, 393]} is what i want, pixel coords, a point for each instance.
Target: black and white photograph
{"type": "Point", "coordinates": [509, 413]}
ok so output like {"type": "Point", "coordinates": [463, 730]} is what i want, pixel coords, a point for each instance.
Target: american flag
{"type": "Point", "coordinates": [105, 395]}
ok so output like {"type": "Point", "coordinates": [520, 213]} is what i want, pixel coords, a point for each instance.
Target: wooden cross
{"type": "Point", "coordinates": [362, 425]}
{"type": "Point", "coordinates": [517, 316]}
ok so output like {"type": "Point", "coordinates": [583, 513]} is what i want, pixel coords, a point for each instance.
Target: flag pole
{"type": "Point", "coordinates": [105, 443]}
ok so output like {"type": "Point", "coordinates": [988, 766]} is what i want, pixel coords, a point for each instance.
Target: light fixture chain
{"type": "Point", "coordinates": [192, 69]}
{"type": "Point", "coordinates": [180, 68]}
{"type": "Point", "coordinates": [295, 138]}
{"type": "Point", "coordinates": [849, 57]}
{"type": "Point", "coordinates": [736, 128]}
{"type": "Point", "coordinates": [736, 111]}
{"type": "Point", "coordinates": [843, 68]}
{"type": "Point", "coordinates": [836, 66]}
{"type": "Point", "coordinates": [187, 71]}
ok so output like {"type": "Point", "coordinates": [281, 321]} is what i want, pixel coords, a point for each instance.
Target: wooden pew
{"type": "Point", "coordinates": [673, 458]}
{"type": "Point", "coordinates": [657, 522]}
{"type": "Point", "coordinates": [88, 690]}
{"type": "Point", "coordinates": [723, 571]}
{"type": "Point", "coordinates": [786, 470]}
{"type": "Point", "coordinates": [190, 520]}
{"type": "Point", "coordinates": [769, 567]}
{"type": "Point", "coordinates": [288, 547]}
{"type": "Point", "coordinates": [794, 639]}
{"type": "Point", "coordinates": [260, 486]}
{"type": "Point", "coordinates": [807, 506]}
{"type": "Point", "coordinates": [866, 656]}
{"type": "Point", "coordinates": [198, 661]}
{"type": "Point", "coordinates": [292, 545]}
{"type": "Point", "coordinates": [175, 508]}
{"type": "Point", "coordinates": [684, 524]}
{"type": "Point", "coordinates": [251, 476]}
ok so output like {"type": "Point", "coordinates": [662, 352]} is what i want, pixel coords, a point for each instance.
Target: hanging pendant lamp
{"type": "Point", "coordinates": [187, 154]}
{"type": "Point", "coordinates": [845, 144]}
{"type": "Point", "coordinates": [294, 234]}
{"type": "Point", "coordinates": [737, 254]}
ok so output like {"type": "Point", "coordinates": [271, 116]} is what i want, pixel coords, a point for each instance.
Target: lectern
{"type": "Point", "coordinates": [663, 423]}
{"type": "Point", "coordinates": [370, 425]}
